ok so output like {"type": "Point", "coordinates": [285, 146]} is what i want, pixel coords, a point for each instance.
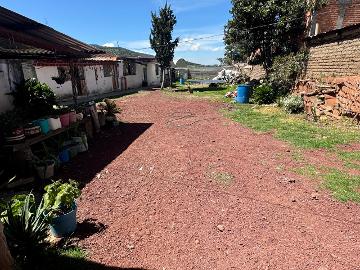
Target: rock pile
{"type": "Point", "coordinates": [333, 97]}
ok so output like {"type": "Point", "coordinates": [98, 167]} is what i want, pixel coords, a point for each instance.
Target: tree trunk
{"type": "Point", "coordinates": [170, 77]}
{"type": "Point", "coordinates": [163, 78]}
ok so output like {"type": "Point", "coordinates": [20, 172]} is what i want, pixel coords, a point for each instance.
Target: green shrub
{"type": "Point", "coordinates": [60, 197]}
{"type": "Point", "coordinates": [34, 98]}
{"type": "Point", "coordinates": [293, 104]}
{"type": "Point", "coordinates": [285, 70]}
{"type": "Point", "coordinates": [25, 228]}
{"type": "Point", "coordinates": [264, 94]}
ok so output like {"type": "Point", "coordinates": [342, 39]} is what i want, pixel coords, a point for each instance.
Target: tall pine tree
{"type": "Point", "coordinates": [161, 38]}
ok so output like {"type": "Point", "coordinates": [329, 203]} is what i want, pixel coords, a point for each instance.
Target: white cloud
{"type": "Point", "coordinates": [109, 44]}
{"type": "Point", "coordinates": [205, 47]}
{"type": "Point", "coordinates": [203, 42]}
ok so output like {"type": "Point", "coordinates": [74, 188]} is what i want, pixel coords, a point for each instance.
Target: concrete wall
{"type": "Point", "coordinates": [99, 84]}
{"type": "Point", "coordinates": [45, 74]}
{"type": "Point", "coordinates": [153, 79]}
{"type": "Point", "coordinates": [338, 58]}
{"type": "Point", "coordinates": [5, 87]}
{"type": "Point", "coordinates": [135, 81]}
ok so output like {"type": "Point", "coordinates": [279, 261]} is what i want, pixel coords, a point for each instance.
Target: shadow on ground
{"type": "Point", "coordinates": [67, 263]}
{"type": "Point", "coordinates": [209, 89]}
{"type": "Point", "coordinates": [89, 227]}
{"type": "Point", "coordinates": [105, 148]}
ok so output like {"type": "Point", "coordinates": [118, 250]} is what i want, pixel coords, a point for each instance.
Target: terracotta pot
{"type": "Point", "coordinates": [65, 119]}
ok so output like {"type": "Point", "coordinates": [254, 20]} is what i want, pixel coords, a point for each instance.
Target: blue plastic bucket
{"type": "Point", "coordinates": [64, 156]}
{"type": "Point", "coordinates": [44, 125]}
{"type": "Point", "coordinates": [243, 93]}
{"type": "Point", "coordinates": [182, 81]}
{"type": "Point", "coordinates": [64, 225]}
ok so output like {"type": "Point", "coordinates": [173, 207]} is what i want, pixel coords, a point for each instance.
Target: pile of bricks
{"type": "Point", "coordinates": [332, 97]}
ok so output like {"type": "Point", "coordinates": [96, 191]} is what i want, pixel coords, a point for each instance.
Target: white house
{"type": "Point", "coordinates": [66, 65]}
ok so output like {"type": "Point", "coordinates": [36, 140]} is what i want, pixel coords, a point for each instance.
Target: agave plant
{"type": "Point", "coordinates": [25, 227]}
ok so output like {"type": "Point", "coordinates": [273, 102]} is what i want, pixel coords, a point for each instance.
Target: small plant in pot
{"type": "Point", "coordinates": [11, 125]}
{"type": "Point", "coordinates": [45, 168]}
{"type": "Point", "coordinates": [60, 201]}
{"type": "Point", "coordinates": [101, 110]}
{"type": "Point", "coordinates": [111, 110]}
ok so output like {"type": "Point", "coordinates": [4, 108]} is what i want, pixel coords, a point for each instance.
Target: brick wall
{"type": "Point", "coordinates": [328, 16]}
{"type": "Point", "coordinates": [337, 58]}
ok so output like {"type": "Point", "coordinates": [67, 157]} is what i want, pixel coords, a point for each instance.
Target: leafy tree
{"type": "Point", "coordinates": [262, 29]}
{"type": "Point", "coordinates": [161, 37]}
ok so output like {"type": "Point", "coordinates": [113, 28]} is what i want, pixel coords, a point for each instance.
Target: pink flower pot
{"type": "Point", "coordinates": [65, 120]}
{"type": "Point", "coordinates": [73, 117]}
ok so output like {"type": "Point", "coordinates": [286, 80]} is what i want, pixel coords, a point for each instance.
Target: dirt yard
{"type": "Point", "coordinates": [179, 186]}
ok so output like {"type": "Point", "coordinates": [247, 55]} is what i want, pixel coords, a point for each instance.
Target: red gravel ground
{"type": "Point", "coordinates": [179, 186]}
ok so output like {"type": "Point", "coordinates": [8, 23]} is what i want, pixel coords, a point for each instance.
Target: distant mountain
{"type": "Point", "coordinates": [121, 52]}
{"type": "Point", "coordinates": [182, 63]}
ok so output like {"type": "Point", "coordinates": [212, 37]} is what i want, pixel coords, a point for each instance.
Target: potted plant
{"type": "Point", "coordinates": [32, 130]}
{"type": "Point", "coordinates": [101, 110]}
{"type": "Point", "coordinates": [36, 99]}
{"type": "Point", "coordinates": [45, 168]}
{"type": "Point", "coordinates": [111, 110]}
{"type": "Point", "coordinates": [60, 200]}
{"type": "Point", "coordinates": [25, 227]}
{"type": "Point", "coordinates": [11, 125]}
{"type": "Point", "coordinates": [81, 142]}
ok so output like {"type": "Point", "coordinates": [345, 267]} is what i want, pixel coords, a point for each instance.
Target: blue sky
{"type": "Point", "coordinates": [127, 22]}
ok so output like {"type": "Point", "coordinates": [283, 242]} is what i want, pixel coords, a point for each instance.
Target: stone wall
{"type": "Point", "coordinates": [332, 97]}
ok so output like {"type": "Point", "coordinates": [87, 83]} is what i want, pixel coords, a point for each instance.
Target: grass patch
{"type": "Point", "coordinates": [222, 178]}
{"type": "Point", "coordinates": [351, 159]}
{"type": "Point", "coordinates": [344, 187]}
{"type": "Point", "coordinates": [308, 171]}
{"type": "Point", "coordinates": [292, 128]}
{"type": "Point", "coordinates": [73, 253]}
{"type": "Point", "coordinates": [203, 91]}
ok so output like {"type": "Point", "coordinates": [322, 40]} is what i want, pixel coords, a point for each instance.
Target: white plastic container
{"type": "Point", "coordinates": [54, 123]}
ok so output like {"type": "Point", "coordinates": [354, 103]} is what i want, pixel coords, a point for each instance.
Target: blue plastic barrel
{"type": "Point", "coordinates": [243, 93]}
{"type": "Point", "coordinates": [182, 81]}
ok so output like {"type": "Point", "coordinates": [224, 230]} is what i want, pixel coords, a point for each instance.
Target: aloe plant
{"type": "Point", "coordinates": [25, 227]}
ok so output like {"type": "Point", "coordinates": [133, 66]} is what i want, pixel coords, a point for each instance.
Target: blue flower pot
{"type": "Point", "coordinates": [64, 156]}
{"type": "Point", "coordinates": [64, 225]}
{"type": "Point", "coordinates": [44, 125]}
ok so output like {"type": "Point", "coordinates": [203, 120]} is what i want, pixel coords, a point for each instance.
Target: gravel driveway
{"type": "Point", "coordinates": [179, 186]}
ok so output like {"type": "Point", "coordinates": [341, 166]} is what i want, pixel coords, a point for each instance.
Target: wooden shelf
{"type": "Point", "coordinates": [40, 138]}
